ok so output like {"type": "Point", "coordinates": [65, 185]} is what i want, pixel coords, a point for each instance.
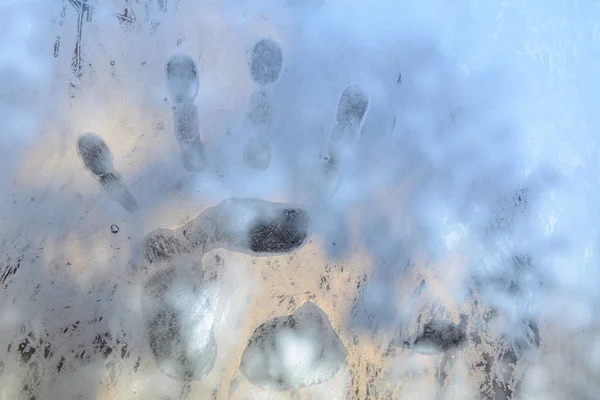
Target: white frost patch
{"type": "Point", "coordinates": [298, 354]}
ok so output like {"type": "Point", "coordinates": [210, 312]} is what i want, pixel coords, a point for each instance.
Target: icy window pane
{"type": "Point", "coordinates": [299, 199]}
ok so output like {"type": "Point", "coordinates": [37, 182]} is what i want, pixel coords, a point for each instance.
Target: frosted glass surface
{"type": "Point", "coordinates": [299, 199]}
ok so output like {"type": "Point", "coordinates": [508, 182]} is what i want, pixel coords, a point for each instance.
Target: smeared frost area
{"type": "Point", "coordinates": [413, 184]}
{"type": "Point", "coordinates": [294, 351]}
